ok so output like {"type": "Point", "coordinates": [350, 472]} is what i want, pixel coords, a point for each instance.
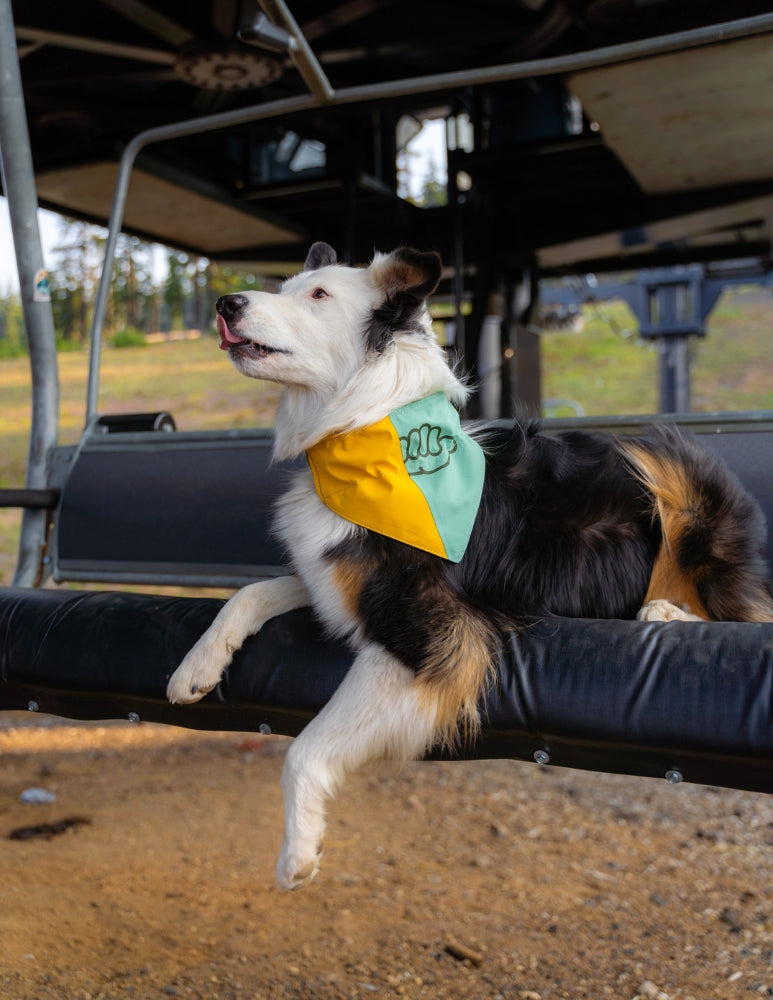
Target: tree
{"type": "Point", "coordinates": [73, 279]}
{"type": "Point", "coordinates": [132, 290]}
{"type": "Point", "coordinates": [13, 339]}
{"type": "Point", "coordinates": [434, 193]}
{"type": "Point", "coordinates": [139, 299]}
{"type": "Point", "coordinates": [177, 288]}
{"type": "Point", "coordinates": [78, 260]}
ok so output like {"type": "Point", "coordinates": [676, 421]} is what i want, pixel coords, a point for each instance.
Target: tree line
{"type": "Point", "coordinates": [154, 289]}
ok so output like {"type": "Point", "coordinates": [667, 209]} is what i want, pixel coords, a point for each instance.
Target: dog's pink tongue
{"type": "Point", "coordinates": [227, 339]}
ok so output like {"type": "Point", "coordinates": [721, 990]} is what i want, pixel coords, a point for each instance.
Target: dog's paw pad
{"type": "Point", "coordinates": [302, 877]}
{"type": "Point", "coordinates": [187, 686]}
{"type": "Point", "coordinates": [664, 611]}
{"type": "Point", "coordinates": [292, 875]}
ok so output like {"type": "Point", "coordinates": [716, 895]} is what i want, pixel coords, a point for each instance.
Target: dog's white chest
{"type": "Point", "coordinates": [309, 530]}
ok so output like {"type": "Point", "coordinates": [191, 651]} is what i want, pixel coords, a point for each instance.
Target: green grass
{"type": "Point", "coordinates": [604, 367]}
{"type": "Point", "coordinates": [733, 366]}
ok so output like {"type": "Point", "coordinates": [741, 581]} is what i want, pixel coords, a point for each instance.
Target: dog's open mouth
{"type": "Point", "coordinates": [229, 341]}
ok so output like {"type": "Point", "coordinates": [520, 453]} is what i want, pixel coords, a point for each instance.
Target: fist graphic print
{"type": "Point", "coordinates": [426, 450]}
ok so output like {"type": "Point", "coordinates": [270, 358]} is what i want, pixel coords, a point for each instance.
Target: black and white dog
{"type": "Point", "coordinates": [423, 544]}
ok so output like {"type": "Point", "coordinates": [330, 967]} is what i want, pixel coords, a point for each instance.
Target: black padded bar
{"type": "Point", "coordinates": [623, 697]}
{"type": "Point", "coordinates": [30, 499]}
{"type": "Point", "coordinates": [126, 423]}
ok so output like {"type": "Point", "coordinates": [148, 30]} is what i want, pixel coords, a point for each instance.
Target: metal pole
{"type": "Point", "coordinates": [674, 374]}
{"type": "Point", "coordinates": [19, 186]}
{"type": "Point", "coordinates": [301, 54]}
{"type": "Point", "coordinates": [571, 63]}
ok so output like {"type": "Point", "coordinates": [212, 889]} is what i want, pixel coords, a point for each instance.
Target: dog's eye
{"type": "Point", "coordinates": [319, 293]}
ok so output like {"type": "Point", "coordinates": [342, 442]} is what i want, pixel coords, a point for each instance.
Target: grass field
{"type": "Point", "coordinates": [605, 368]}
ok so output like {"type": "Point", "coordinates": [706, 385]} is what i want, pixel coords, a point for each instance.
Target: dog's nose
{"type": "Point", "coordinates": [231, 306]}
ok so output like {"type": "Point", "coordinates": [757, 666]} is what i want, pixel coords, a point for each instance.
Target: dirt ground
{"type": "Point", "coordinates": [493, 880]}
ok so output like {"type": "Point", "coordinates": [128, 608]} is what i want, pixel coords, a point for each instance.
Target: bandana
{"type": "Point", "coordinates": [414, 476]}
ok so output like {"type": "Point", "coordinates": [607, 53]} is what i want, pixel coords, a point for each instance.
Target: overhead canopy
{"type": "Point", "coordinates": [582, 140]}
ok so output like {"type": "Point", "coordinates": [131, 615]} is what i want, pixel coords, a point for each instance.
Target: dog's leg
{"type": "Point", "coordinates": [247, 611]}
{"type": "Point", "coordinates": [660, 610]}
{"type": "Point", "coordinates": [375, 713]}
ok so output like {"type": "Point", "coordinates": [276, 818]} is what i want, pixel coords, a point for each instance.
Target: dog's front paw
{"type": "Point", "coordinates": [664, 611]}
{"type": "Point", "coordinates": [198, 674]}
{"type": "Point", "coordinates": [296, 868]}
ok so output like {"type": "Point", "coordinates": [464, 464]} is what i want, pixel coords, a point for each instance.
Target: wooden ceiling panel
{"type": "Point", "coordinates": [162, 211]}
{"type": "Point", "coordinates": [691, 119]}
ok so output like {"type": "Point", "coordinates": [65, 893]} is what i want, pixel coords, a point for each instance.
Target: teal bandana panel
{"type": "Point", "coordinates": [446, 464]}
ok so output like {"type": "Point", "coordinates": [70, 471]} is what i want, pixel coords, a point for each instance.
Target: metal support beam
{"type": "Point", "coordinates": [671, 311]}
{"type": "Point", "coordinates": [674, 374]}
{"type": "Point", "coordinates": [19, 185]}
{"type": "Point", "coordinates": [301, 54]}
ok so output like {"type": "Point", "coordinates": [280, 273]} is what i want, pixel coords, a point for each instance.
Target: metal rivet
{"type": "Point", "coordinates": [542, 756]}
{"type": "Point", "coordinates": [134, 717]}
{"type": "Point", "coordinates": [33, 706]}
{"type": "Point", "coordinates": [673, 777]}
{"type": "Point", "coordinates": [265, 729]}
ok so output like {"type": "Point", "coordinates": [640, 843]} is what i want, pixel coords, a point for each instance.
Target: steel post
{"type": "Point", "coordinates": [19, 186]}
{"type": "Point", "coordinates": [674, 374]}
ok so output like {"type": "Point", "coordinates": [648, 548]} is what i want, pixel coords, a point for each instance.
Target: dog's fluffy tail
{"type": "Point", "coordinates": [712, 556]}
{"type": "Point", "coordinates": [457, 670]}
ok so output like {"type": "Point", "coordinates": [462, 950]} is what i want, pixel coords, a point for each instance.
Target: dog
{"type": "Point", "coordinates": [424, 544]}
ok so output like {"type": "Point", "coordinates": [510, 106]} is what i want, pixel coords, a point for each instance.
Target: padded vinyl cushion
{"type": "Point", "coordinates": [625, 697]}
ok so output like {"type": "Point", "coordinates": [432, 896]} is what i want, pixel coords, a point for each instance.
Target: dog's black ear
{"type": "Point", "coordinates": [407, 277]}
{"type": "Point", "coordinates": [319, 255]}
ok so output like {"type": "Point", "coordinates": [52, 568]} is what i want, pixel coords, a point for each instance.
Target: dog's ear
{"type": "Point", "coordinates": [319, 255]}
{"type": "Point", "coordinates": [408, 271]}
{"type": "Point", "coordinates": [406, 277]}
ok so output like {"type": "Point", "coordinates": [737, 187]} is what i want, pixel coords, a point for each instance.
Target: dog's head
{"type": "Point", "coordinates": [349, 344]}
{"type": "Point", "coordinates": [326, 321]}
